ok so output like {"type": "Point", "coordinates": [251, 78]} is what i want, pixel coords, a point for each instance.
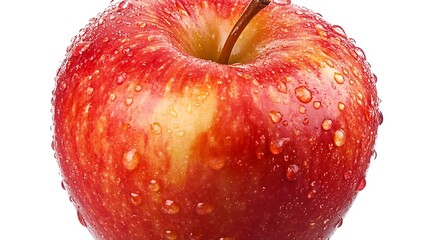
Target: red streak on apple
{"type": "Point", "coordinates": [156, 140]}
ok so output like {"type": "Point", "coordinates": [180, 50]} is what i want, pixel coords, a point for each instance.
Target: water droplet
{"type": "Point", "coordinates": [150, 38]}
{"type": "Point", "coordinates": [341, 106]}
{"type": "Point", "coordinates": [317, 105]}
{"type": "Point", "coordinates": [302, 109]}
{"type": "Point", "coordinates": [361, 185]}
{"type": "Point", "coordinates": [154, 186]}
{"type": "Point", "coordinates": [282, 2]}
{"type": "Point", "coordinates": [173, 112]}
{"type": "Point", "coordinates": [292, 172]}
{"type": "Point", "coordinates": [63, 86]}
{"type": "Point", "coordinates": [339, 223]}
{"type": "Point", "coordinates": [275, 116]}
{"type": "Point", "coordinates": [374, 78]}
{"type": "Point", "coordinates": [330, 63]}
{"type": "Point", "coordinates": [260, 154]}
{"type": "Point", "coordinates": [138, 88]}
{"type": "Point", "coordinates": [339, 138]}
{"type": "Point", "coordinates": [217, 163]}
{"type": "Point", "coordinates": [124, 4]}
{"type": "Point", "coordinates": [141, 24]}
{"type": "Point", "coordinates": [127, 52]}
{"type": "Point", "coordinates": [170, 207]}
{"type": "Point", "coordinates": [285, 123]}
{"type": "Point", "coordinates": [326, 124]}
{"type": "Point", "coordinates": [136, 199]}
{"type": "Point", "coordinates": [120, 79]}
{"type": "Point", "coordinates": [129, 101]}
{"type": "Point", "coordinates": [131, 159]}
{"type": "Point", "coordinates": [277, 145]}
{"type": "Point", "coordinates": [63, 185]}
{"type": "Point", "coordinates": [339, 30]}
{"type": "Point", "coordinates": [345, 72]}
{"type": "Point", "coordinates": [170, 235]}
{"type": "Point", "coordinates": [339, 78]}
{"type": "Point", "coordinates": [203, 208]}
{"type": "Point", "coordinates": [303, 94]}
{"type": "Point", "coordinates": [306, 121]}
{"type": "Point", "coordinates": [155, 128]}
{"type": "Point", "coordinates": [381, 118]}
{"type": "Point", "coordinates": [81, 219]}
{"type": "Point", "coordinates": [89, 90]}
{"type": "Point", "coordinates": [311, 194]}
{"type": "Point", "coordinates": [355, 71]}
{"type": "Point", "coordinates": [374, 155]}
{"type": "Point", "coordinates": [281, 86]}
{"type": "Point", "coordinates": [347, 174]}
{"type": "Point", "coordinates": [181, 133]}
{"type": "Point", "coordinates": [81, 48]}
{"type": "Point", "coordinates": [101, 21]}
{"type": "Point", "coordinates": [360, 53]}
{"type": "Point", "coordinates": [321, 30]}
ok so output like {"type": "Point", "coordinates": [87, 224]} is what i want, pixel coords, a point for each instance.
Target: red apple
{"type": "Point", "coordinates": [157, 139]}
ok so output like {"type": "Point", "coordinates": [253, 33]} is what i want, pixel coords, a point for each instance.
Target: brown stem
{"type": "Point", "coordinates": [251, 10]}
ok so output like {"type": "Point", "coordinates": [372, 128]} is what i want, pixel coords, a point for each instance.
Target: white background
{"type": "Point", "coordinates": [33, 39]}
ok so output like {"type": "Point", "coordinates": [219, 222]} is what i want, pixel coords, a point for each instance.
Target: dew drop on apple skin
{"type": "Point", "coordinates": [381, 118]}
{"type": "Point", "coordinates": [339, 78]}
{"type": "Point", "coordinates": [120, 79]}
{"type": "Point", "coordinates": [341, 106]}
{"type": "Point", "coordinates": [347, 174]}
{"type": "Point", "coordinates": [112, 97]}
{"type": "Point", "coordinates": [227, 238]}
{"type": "Point", "coordinates": [292, 172]}
{"type": "Point", "coordinates": [138, 88]}
{"type": "Point", "coordinates": [170, 207]}
{"type": "Point", "coordinates": [282, 2]}
{"type": "Point", "coordinates": [339, 138]}
{"type": "Point", "coordinates": [361, 185]}
{"type": "Point", "coordinates": [129, 101]}
{"type": "Point", "coordinates": [326, 124]}
{"type": "Point", "coordinates": [170, 235]}
{"type": "Point", "coordinates": [63, 185]}
{"type": "Point", "coordinates": [131, 159]}
{"type": "Point", "coordinates": [321, 30]}
{"type": "Point", "coordinates": [275, 116]}
{"type": "Point", "coordinates": [360, 53]}
{"type": "Point", "coordinates": [311, 194]}
{"type": "Point", "coordinates": [303, 94]}
{"type": "Point", "coordinates": [63, 86]}
{"type": "Point", "coordinates": [317, 105]}
{"type": "Point", "coordinates": [339, 30]}
{"type": "Point", "coordinates": [204, 208]}
{"type": "Point", "coordinates": [339, 223]}
{"type": "Point", "coordinates": [217, 163]}
{"type": "Point", "coordinates": [89, 90]}
{"type": "Point", "coordinates": [155, 128]}
{"type": "Point", "coordinates": [81, 219]}
{"type": "Point", "coordinates": [136, 199]}
{"type": "Point", "coordinates": [281, 86]}
{"type": "Point", "coordinates": [154, 186]}
{"type": "Point", "coordinates": [277, 145]}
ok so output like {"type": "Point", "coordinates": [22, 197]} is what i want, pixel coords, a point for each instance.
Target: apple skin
{"type": "Point", "coordinates": [157, 141]}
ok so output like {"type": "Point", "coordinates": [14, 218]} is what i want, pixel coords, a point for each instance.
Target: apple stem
{"type": "Point", "coordinates": [251, 10]}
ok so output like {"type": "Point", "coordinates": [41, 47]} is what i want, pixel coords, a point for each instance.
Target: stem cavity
{"type": "Point", "coordinates": [251, 10]}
